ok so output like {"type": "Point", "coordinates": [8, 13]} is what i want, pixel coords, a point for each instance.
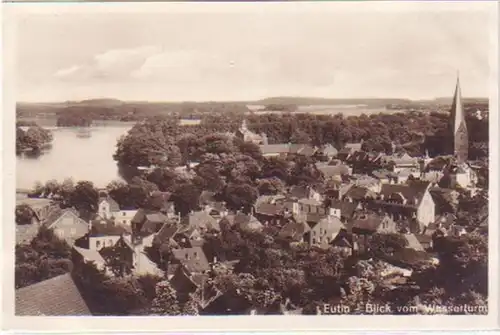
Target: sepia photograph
{"type": "Point", "coordinates": [321, 159]}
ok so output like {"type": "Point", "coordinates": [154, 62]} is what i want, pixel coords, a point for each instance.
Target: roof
{"type": "Point", "coordinates": [52, 297]}
{"type": "Point", "coordinates": [358, 193]}
{"type": "Point", "coordinates": [367, 221]}
{"type": "Point", "coordinates": [166, 232]}
{"type": "Point", "coordinates": [90, 255]}
{"type": "Point", "coordinates": [310, 202]}
{"type": "Point", "coordinates": [353, 146]}
{"type": "Point", "coordinates": [55, 215]}
{"type": "Point", "coordinates": [113, 205]}
{"type": "Point", "coordinates": [332, 222]}
{"type": "Point", "coordinates": [413, 192]}
{"type": "Point", "coordinates": [329, 149]}
{"type": "Point", "coordinates": [200, 219]}
{"type": "Point", "coordinates": [413, 242]}
{"type": "Point", "coordinates": [108, 228]}
{"type": "Point", "coordinates": [268, 209]}
{"type": "Point", "coordinates": [148, 222]}
{"type": "Point", "coordinates": [299, 191]}
{"type": "Point", "coordinates": [294, 230]}
{"type": "Point", "coordinates": [267, 149]}
{"type": "Point", "coordinates": [346, 208]}
{"type": "Point", "coordinates": [193, 259]}
{"type": "Point", "coordinates": [244, 221]}
{"type": "Point", "coordinates": [161, 200]}
{"type": "Point", "coordinates": [333, 170]}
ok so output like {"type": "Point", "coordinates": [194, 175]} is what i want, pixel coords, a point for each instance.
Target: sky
{"type": "Point", "coordinates": [246, 53]}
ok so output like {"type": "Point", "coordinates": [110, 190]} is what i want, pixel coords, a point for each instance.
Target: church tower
{"type": "Point", "coordinates": [458, 127]}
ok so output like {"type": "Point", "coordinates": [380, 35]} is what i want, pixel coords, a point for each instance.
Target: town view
{"type": "Point", "coordinates": [312, 203]}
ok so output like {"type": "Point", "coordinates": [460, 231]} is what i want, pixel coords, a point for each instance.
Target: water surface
{"type": "Point", "coordinates": [74, 157]}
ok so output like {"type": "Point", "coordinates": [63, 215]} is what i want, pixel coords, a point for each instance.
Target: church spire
{"type": "Point", "coordinates": [458, 126]}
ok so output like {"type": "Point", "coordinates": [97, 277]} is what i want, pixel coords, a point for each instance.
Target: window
{"type": "Point", "coordinates": [97, 244]}
{"type": "Point", "coordinates": [124, 221]}
{"type": "Point", "coordinates": [124, 213]}
{"type": "Point", "coordinates": [314, 241]}
{"type": "Point", "coordinates": [196, 255]}
{"type": "Point", "coordinates": [110, 242]}
{"type": "Point", "coordinates": [314, 232]}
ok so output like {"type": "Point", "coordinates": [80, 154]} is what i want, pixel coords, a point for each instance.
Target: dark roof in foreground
{"type": "Point", "coordinates": [57, 296]}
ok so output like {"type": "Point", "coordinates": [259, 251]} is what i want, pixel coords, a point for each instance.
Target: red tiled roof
{"type": "Point", "coordinates": [57, 296]}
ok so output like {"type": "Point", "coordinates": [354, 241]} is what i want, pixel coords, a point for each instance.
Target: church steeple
{"type": "Point", "coordinates": [458, 126]}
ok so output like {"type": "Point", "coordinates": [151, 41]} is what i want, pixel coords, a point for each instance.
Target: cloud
{"type": "Point", "coordinates": [112, 64]}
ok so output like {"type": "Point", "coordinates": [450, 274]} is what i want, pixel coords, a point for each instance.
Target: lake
{"type": "Point", "coordinates": [74, 157]}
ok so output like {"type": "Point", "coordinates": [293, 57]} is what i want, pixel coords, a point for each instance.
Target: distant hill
{"type": "Point", "coordinates": [308, 101]}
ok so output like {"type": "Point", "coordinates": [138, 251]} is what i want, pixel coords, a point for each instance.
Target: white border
{"type": "Point", "coordinates": [236, 323]}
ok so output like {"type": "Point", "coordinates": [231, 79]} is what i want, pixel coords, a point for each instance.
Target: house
{"type": "Point", "coordinates": [107, 206]}
{"type": "Point", "coordinates": [308, 206]}
{"type": "Point", "coordinates": [294, 231]}
{"type": "Point", "coordinates": [324, 232]}
{"type": "Point", "coordinates": [349, 149]}
{"type": "Point", "coordinates": [67, 226]}
{"type": "Point", "coordinates": [462, 176]}
{"type": "Point", "coordinates": [303, 150]}
{"type": "Point", "coordinates": [345, 243]}
{"type": "Point", "coordinates": [166, 234]}
{"type": "Point", "coordinates": [105, 233]}
{"type": "Point", "coordinates": [305, 191]}
{"type": "Point", "coordinates": [247, 135]}
{"type": "Point", "coordinates": [188, 237]}
{"type": "Point", "coordinates": [123, 250]}
{"type": "Point", "coordinates": [365, 181]}
{"type": "Point", "coordinates": [329, 151]}
{"type": "Point", "coordinates": [85, 256]}
{"type": "Point", "coordinates": [247, 222]}
{"type": "Point", "coordinates": [186, 284]}
{"type": "Point", "coordinates": [412, 200]}
{"type": "Point", "coordinates": [370, 223]}
{"type": "Point", "coordinates": [146, 223]}
{"type": "Point", "coordinates": [333, 172]}
{"type": "Point", "coordinates": [193, 260]}
{"type": "Point", "coordinates": [400, 161]}
{"type": "Point", "coordinates": [275, 150]}
{"type": "Point", "coordinates": [200, 220]}
{"type": "Point", "coordinates": [272, 213]}
{"type": "Point", "coordinates": [125, 216]}
{"type": "Point", "coordinates": [446, 200]}
{"type": "Point", "coordinates": [344, 210]}
{"type": "Point", "coordinates": [358, 194]}
{"type": "Point", "coordinates": [58, 296]}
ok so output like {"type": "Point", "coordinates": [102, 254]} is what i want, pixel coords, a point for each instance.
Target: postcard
{"type": "Point", "coordinates": [250, 166]}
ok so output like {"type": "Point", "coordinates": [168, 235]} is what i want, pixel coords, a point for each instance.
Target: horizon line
{"type": "Point", "coordinates": [248, 101]}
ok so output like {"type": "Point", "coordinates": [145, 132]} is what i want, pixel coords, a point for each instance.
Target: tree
{"type": "Point", "coordinates": [52, 188]}
{"type": "Point", "coordinates": [66, 189]}
{"type": "Point", "coordinates": [164, 178]}
{"type": "Point", "coordinates": [186, 196]}
{"type": "Point", "coordinates": [240, 196]}
{"type": "Point", "coordinates": [189, 146]}
{"type": "Point", "coordinates": [208, 178]}
{"type": "Point", "coordinates": [85, 197]}
{"type": "Point", "coordinates": [165, 302]}
{"type": "Point", "coordinates": [148, 144]}
{"type": "Point", "coordinates": [116, 262]}
{"type": "Point", "coordinates": [24, 214]}
{"type": "Point", "coordinates": [300, 137]}
{"type": "Point", "coordinates": [275, 167]}
{"type": "Point", "coordinates": [270, 186]}
{"type": "Point", "coordinates": [45, 257]}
